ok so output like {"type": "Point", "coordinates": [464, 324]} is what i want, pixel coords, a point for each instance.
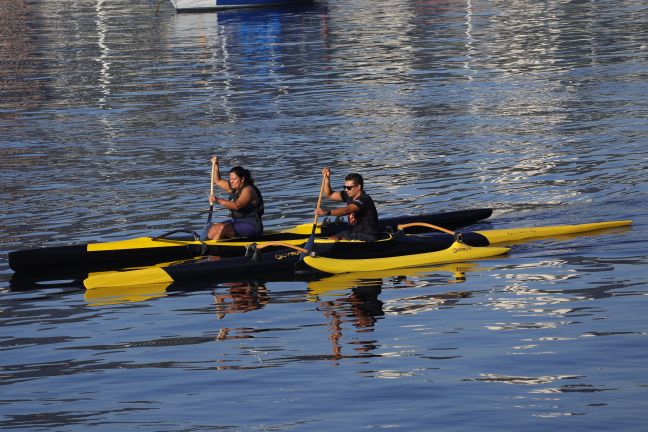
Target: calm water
{"type": "Point", "coordinates": [109, 113]}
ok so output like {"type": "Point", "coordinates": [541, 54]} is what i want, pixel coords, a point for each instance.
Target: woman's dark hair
{"type": "Point", "coordinates": [244, 174]}
{"type": "Point", "coordinates": [249, 181]}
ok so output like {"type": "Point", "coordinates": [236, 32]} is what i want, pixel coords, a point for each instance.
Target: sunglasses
{"type": "Point", "coordinates": [349, 187]}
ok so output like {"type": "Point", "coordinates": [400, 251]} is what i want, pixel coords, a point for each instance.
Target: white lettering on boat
{"type": "Point", "coordinates": [286, 255]}
{"type": "Point", "coordinates": [461, 249]}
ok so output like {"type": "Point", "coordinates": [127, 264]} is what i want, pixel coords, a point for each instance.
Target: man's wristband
{"type": "Point", "coordinates": [328, 212]}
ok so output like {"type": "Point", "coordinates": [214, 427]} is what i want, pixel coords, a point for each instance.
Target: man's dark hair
{"type": "Point", "coordinates": [356, 179]}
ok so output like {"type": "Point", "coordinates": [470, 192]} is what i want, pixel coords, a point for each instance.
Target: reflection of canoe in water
{"type": "Point", "coordinates": [326, 285]}
{"type": "Point", "coordinates": [316, 286]}
{"type": "Point", "coordinates": [344, 281]}
{"type": "Point", "coordinates": [210, 5]}
{"type": "Point", "coordinates": [399, 251]}
{"type": "Point", "coordinates": [116, 295]}
{"type": "Point", "coordinates": [64, 260]}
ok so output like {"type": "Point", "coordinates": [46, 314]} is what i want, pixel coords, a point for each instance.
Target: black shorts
{"type": "Point", "coordinates": [351, 235]}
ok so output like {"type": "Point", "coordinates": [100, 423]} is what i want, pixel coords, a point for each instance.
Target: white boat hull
{"type": "Point", "coordinates": [205, 5]}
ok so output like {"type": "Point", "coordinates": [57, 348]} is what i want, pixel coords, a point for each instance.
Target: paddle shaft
{"type": "Point", "coordinates": [211, 205]}
{"type": "Point", "coordinates": [211, 192]}
{"type": "Point", "coordinates": [213, 173]}
{"type": "Point", "coordinates": [311, 240]}
{"type": "Point", "coordinates": [319, 203]}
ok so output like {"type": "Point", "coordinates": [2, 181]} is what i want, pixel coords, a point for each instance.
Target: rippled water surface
{"type": "Point", "coordinates": [109, 113]}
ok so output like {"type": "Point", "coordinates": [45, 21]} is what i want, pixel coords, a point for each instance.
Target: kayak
{"type": "Point", "coordinates": [458, 251]}
{"type": "Point", "coordinates": [283, 261]}
{"type": "Point", "coordinates": [180, 244]}
{"type": "Point", "coordinates": [216, 5]}
{"type": "Point", "coordinates": [400, 250]}
{"type": "Point", "coordinates": [277, 262]}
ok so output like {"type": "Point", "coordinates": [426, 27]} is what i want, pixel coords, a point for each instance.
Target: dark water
{"type": "Point", "coordinates": [108, 116]}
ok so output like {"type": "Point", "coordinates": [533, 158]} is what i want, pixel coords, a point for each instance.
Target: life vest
{"type": "Point", "coordinates": [252, 210]}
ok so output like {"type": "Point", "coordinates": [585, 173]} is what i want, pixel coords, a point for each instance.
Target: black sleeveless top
{"type": "Point", "coordinates": [366, 217]}
{"type": "Point", "coordinates": [251, 212]}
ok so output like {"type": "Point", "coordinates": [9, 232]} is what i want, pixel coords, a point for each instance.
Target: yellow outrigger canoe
{"type": "Point", "coordinates": [182, 244]}
{"type": "Point", "coordinates": [400, 251]}
{"type": "Point", "coordinates": [457, 251]}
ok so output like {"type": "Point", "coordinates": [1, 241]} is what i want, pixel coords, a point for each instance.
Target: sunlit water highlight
{"type": "Point", "coordinates": [108, 116]}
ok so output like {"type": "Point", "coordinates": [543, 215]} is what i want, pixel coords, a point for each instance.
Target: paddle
{"type": "Point", "coordinates": [311, 240]}
{"type": "Point", "coordinates": [211, 204]}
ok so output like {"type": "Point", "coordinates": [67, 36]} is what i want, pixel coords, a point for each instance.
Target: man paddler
{"type": "Point", "coordinates": [363, 216]}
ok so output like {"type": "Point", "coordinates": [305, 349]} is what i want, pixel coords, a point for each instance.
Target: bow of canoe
{"type": "Point", "coordinates": [518, 234]}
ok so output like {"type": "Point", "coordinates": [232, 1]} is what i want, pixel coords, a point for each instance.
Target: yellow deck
{"type": "Point", "coordinates": [458, 251]}
{"type": "Point", "coordinates": [150, 242]}
{"type": "Point", "coordinates": [517, 234]}
{"type": "Point", "coordinates": [455, 253]}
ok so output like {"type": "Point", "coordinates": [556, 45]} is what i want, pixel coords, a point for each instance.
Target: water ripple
{"type": "Point", "coordinates": [109, 113]}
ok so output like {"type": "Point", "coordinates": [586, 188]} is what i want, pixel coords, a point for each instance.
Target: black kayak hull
{"type": "Point", "coordinates": [77, 259]}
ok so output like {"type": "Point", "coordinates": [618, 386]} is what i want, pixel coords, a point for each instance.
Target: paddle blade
{"type": "Point", "coordinates": [310, 244]}
{"type": "Point", "coordinates": [208, 225]}
{"type": "Point", "coordinates": [473, 239]}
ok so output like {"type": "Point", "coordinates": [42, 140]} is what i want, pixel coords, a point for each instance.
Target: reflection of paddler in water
{"type": "Point", "coordinates": [365, 305]}
{"type": "Point", "coordinates": [242, 297]}
{"type": "Point", "coordinates": [364, 308]}
{"type": "Point", "coordinates": [405, 276]}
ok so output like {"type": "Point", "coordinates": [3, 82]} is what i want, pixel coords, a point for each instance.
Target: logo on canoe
{"type": "Point", "coordinates": [461, 249]}
{"type": "Point", "coordinates": [286, 255]}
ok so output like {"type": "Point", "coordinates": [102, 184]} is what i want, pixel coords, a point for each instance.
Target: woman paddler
{"type": "Point", "coordinates": [245, 204]}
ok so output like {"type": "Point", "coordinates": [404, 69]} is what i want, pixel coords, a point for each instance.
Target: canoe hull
{"type": "Point", "coordinates": [206, 268]}
{"type": "Point", "coordinates": [509, 235]}
{"type": "Point", "coordinates": [281, 262]}
{"type": "Point", "coordinates": [402, 251]}
{"type": "Point", "coordinates": [212, 5]}
{"type": "Point", "coordinates": [457, 252]}
{"type": "Point", "coordinates": [78, 259]}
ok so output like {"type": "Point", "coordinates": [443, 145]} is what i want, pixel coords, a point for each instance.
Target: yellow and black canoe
{"type": "Point", "coordinates": [178, 245]}
{"type": "Point", "coordinates": [394, 251]}
{"type": "Point", "coordinates": [457, 251]}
